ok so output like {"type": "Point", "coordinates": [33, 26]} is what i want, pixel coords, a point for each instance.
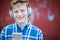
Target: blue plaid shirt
{"type": "Point", "coordinates": [30, 32]}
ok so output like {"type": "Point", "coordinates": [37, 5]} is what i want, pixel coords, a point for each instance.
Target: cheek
{"type": "Point", "coordinates": [15, 15]}
{"type": "Point", "coordinates": [26, 15]}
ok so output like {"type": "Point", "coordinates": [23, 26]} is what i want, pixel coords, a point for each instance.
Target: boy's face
{"type": "Point", "coordinates": [20, 12]}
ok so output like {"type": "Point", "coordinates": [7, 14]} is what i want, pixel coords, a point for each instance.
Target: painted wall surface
{"type": "Point", "coordinates": [45, 15]}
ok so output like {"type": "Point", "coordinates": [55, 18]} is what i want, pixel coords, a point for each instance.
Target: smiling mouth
{"type": "Point", "coordinates": [20, 17]}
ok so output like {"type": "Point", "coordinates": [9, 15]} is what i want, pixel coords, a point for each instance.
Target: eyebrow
{"type": "Point", "coordinates": [19, 2]}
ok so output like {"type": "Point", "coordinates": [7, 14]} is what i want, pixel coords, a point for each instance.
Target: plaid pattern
{"type": "Point", "coordinates": [30, 32]}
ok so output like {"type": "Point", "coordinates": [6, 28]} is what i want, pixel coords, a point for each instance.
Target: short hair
{"type": "Point", "coordinates": [14, 2]}
{"type": "Point", "coordinates": [19, 1]}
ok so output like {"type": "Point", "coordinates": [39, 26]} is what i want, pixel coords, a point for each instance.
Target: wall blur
{"type": "Point", "coordinates": [45, 15]}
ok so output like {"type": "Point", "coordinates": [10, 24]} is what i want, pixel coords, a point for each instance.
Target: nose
{"type": "Point", "coordinates": [20, 13]}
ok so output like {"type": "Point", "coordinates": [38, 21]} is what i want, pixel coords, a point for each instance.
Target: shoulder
{"type": "Point", "coordinates": [8, 27]}
{"type": "Point", "coordinates": [33, 27]}
{"type": "Point", "coordinates": [36, 29]}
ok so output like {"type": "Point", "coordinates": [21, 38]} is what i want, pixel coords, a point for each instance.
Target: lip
{"type": "Point", "coordinates": [20, 17]}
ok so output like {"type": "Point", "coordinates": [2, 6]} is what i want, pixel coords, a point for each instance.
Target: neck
{"type": "Point", "coordinates": [22, 25]}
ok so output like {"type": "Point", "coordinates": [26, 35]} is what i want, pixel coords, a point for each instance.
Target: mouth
{"type": "Point", "coordinates": [20, 17]}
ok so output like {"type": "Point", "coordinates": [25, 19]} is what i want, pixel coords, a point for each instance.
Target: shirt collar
{"type": "Point", "coordinates": [26, 26]}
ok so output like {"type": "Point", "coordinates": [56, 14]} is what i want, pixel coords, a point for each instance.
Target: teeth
{"type": "Point", "coordinates": [20, 17]}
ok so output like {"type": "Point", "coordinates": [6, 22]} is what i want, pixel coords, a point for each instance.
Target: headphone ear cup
{"type": "Point", "coordinates": [29, 11]}
{"type": "Point", "coordinates": [11, 14]}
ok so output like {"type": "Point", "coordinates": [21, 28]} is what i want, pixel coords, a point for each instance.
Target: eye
{"type": "Point", "coordinates": [22, 10]}
{"type": "Point", "coordinates": [16, 11]}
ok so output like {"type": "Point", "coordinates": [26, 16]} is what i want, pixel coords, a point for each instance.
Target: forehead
{"type": "Point", "coordinates": [19, 5]}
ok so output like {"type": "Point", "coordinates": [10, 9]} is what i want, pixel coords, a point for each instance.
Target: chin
{"type": "Point", "coordinates": [21, 21]}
